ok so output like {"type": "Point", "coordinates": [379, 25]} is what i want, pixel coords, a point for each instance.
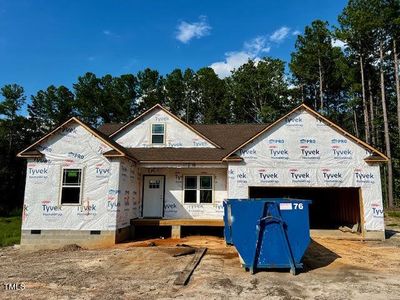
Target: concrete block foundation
{"type": "Point", "coordinates": [55, 239]}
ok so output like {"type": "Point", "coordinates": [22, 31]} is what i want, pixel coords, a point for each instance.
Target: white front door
{"type": "Point", "coordinates": [153, 196]}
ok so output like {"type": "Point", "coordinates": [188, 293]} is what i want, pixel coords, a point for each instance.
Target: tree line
{"type": "Point", "coordinates": [348, 72]}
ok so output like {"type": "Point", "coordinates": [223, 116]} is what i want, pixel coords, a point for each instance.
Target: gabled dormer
{"type": "Point", "coordinates": [157, 128]}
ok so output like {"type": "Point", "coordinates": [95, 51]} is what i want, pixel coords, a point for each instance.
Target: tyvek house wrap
{"type": "Point", "coordinates": [303, 151]}
{"type": "Point", "coordinates": [101, 195]}
{"type": "Point", "coordinates": [129, 205]}
{"type": "Point", "coordinates": [177, 135]}
{"type": "Point", "coordinates": [174, 206]}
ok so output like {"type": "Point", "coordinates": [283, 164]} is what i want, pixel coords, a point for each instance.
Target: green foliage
{"type": "Point", "coordinates": [393, 214]}
{"type": "Point", "coordinates": [175, 92]}
{"type": "Point", "coordinates": [107, 99]}
{"type": "Point", "coordinates": [10, 231]}
{"type": "Point", "coordinates": [51, 107]}
{"type": "Point", "coordinates": [14, 98]}
{"type": "Point", "coordinates": [191, 96]}
{"type": "Point", "coordinates": [211, 104]}
{"type": "Point", "coordinates": [15, 133]}
{"type": "Point", "coordinates": [259, 91]}
{"type": "Point", "coordinates": [358, 25]}
{"type": "Point", "coordinates": [316, 60]}
{"type": "Point", "coordinates": [150, 88]}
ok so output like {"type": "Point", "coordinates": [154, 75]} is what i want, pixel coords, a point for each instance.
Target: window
{"type": "Point", "coordinates": [191, 189]}
{"type": "Point", "coordinates": [198, 189]}
{"type": "Point", "coordinates": [157, 133]}
{"type": "Point", "coordinates": [205, 189]}
{"type": "Point", "coordinates": [71, 186]}
{"type": "Point", "coordinates": [154, 184]}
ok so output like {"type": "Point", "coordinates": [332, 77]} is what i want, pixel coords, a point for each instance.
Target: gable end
{"type": "Point", "coordinates": [377, 153]}
{"type": "Point", "coordinates": [32, 152]}
{"type": "Point", "coordinates": [158, 106]}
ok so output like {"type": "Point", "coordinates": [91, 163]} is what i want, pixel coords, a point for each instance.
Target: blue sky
{"type": "Point", "coordinates": [53, 42]}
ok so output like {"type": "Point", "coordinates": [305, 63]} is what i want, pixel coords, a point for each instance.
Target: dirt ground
{"type": "Point", "coordinates": [334, 269]}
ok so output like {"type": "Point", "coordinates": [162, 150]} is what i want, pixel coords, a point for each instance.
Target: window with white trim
{"type": "Point", "coordinates": [71, 186]}
{"type": "Point", "coordinates": [198, 189]}
{"type": "Point", "coordinates": [157, 133]}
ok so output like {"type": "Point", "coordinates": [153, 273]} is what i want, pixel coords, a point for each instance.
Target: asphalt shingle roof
{"type": "Point", "coordinates": [228, 136]}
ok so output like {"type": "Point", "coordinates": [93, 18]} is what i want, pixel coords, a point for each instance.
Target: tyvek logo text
{"type": "Point", "coordinates": [266, 176]}
{"type": "Point", "coordinates": [377, 210]}
{"type": "Point", "coordinates": [241, 177]}
{"type": "Point", "coordinates": [294, 121]}
{"type": "Point", "coordinates": [363, 177]}
{"type": "Point", "coordinates": [102, 171]}
{"type": "Point", "coordinates": [340, 150]}
{"type": "Point", "coordinates": [248, 153]}
{"type": "Point", "coordinates": [331, 176]}
{"type": "Point", "coordinates": [38, 172]}
{"type": "Point", "coordinates": [76, 155]}
{"type": "Point", "coordinates": [49, 209]}
{"type": "Point", "coordinates": [175, 144]}
{"type": "Point", "coordinates": [86, 210]}
{"type": "Point", "coordinates": [199, 143]}
{"type": "Point", "coordinates": [308, 148]}
{"type": "Point", "coordinates": [170, 208]}
{"type": "Point", "coordinates": [277, 149]}
{"type": "Point", "coordinates": [299, 176]}
{"type": "Point", "coordinates": [161, 118]}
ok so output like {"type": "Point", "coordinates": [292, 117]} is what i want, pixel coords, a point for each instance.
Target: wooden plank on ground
{"type": "Point", "coordinates": [184, 275]}
{"type": "Point", "coordinates": [185, 251]}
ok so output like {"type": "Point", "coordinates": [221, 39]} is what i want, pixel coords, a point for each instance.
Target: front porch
{"type": "Point", "coordinates": [165, 195]}
{"type": "Point", "coordinates": [177, 224]}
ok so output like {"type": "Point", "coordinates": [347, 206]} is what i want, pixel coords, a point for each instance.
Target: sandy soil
{"type": "Point", "coordinates": [146, 270]}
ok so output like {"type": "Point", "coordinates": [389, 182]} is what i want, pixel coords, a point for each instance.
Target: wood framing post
{"type": "Point", "coordinates": [361, 204]}
{"type": "Point", "coordinates": [176, 231]}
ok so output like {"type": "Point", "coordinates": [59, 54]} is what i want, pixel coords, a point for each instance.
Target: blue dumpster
{"type": "Point", "coordinates": [268, 233]}
{"type": "Point", "coordinates": [228, 223]}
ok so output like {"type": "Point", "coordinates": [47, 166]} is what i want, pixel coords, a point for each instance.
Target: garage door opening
{"type": "Point", "coordinates": [330, 208]}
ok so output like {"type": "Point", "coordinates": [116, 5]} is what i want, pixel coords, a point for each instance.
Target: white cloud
{"type": "Point", "coordinates": [280, 34]}
{"type": "Point", "coordinates": [251, 50]}
{"type": "Point", "coordinates": [232, 61]}
{"type": "Point", "coordinates": [257, 45]}
{"type": "Point", "coordinates": [296, 32]}
{"type": "Point", "coordinates": [187, 31]}
{"type": "Point", "coordinates": [338, 43]}
{"type": "Point", "coordinates": [110, 33]}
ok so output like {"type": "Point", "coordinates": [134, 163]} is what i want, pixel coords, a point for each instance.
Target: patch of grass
{"type": "Point", "coordinates": [392, 225]}
{"type": "Point", "coordinates": [394, 214]}
{"type": "Point", "coordinates": [10, 231]}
